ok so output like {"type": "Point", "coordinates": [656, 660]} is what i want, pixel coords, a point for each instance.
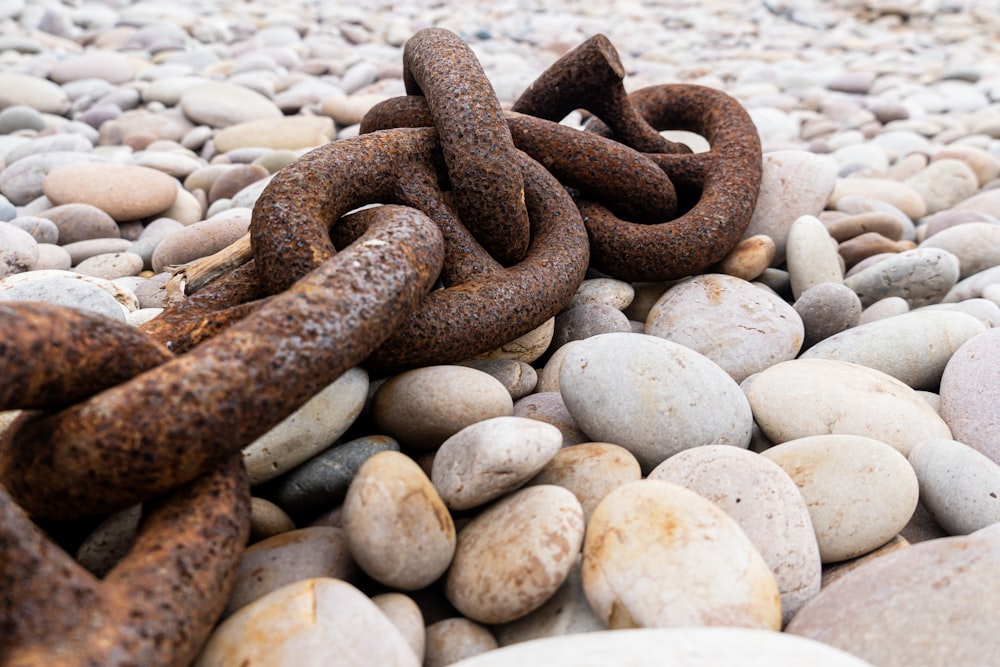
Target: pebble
{"type": "Point", "coordinates": [795, 183]}
{"type": "Point", "coordinates": [406, 616]}
{"type": "Point", "coordinates": [234, 179]}
{"type": "Point", "coordinates": [424, 407]}
{"type": "Point", "coordinates": [970, 393]}
{"type": "Point", "coordinates": [452, 640]}
{"type": "Point", "coordinates": [267, 520]}
{"type": "Point", "coordinates": [738, 325]}
{"type": "Point", "coordinates": [549, 407]}
{"type": "Point", "coordinates": [959, 486]}
{"type": "Point", "coordinates": [944, 183]}
{"type": "Point", "coordinates": [767, 505]}
{"type": "Point", "coordinates": [615, 293]}
{"type": "Point", "coordinates": [305, 622]}
{"type": "Point", "coordinates": [18, 250]}
{"type": "Point", "coordinates": [860, 491]}
{"type": "Point", "coordinates": [944, 587]}
{"type": "Point", "coordinates": [125, 192]}
{"type": "Point", "coordinates": [586, 320]}
{"type": "Point", "coordinates": [289, 557]}
{"type": "Point", "coordinates": [200, 239]}
{"type": "Point", "coordinates": [750, 258]}
{"type": "Point", "coordinates": [518, 377]}
{"type": "Point", "coordinates": [921, 276]}
{"type": "Point", "coordinates": [309, 430]}
{"type": "Point", "coordinates": [286, 133]}
{"type": "Point", "coordinates": [81, 222]}
{"type": "Point", "coordinates": [322, 481]}
{"type": "Point", "coordinates": [492, 457]}
{"type": "Point", "coordinates": [811, 255]}
{"type": "Point", "coordinates": [111, 265]}
{"type": "Point", "coordinates": [70, 293]}
{"type": "Point", "coordinates": [37, 93]}
{"type": "Point", "coordinates": [398, 528]}
{"type": "Point", "coordinates": [975, 244]}
{"type": "Point", "coordinates": [807, 397]}
{"type": "Point", "coordinates": [683, 647]}
{"type": "Point", "coordinates": [41, 229]}
{"type": "Point", "coordinates": [223, 104]}
{"type": "Point", "coordinates": [827, 309]}
{"type": "Point", "coordinates": [913, 347]}
{"type": "Point", "coordinates": [899, 195]}
{"type": "Point", "coordinates": [515, 554]}
{"type": "Point", "coordinates": [696, 565]}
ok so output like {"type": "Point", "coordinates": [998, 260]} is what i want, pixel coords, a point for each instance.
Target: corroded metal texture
{"type": "Point", "coordinates": [722, 186]}
{"type": "Point", "coordinates": [590, 77]}
{"type": "Point", "coordinates": [156, 607]}
{"type": "Point", "coordinates": [169, 424]}
{"type": "Point", "coordinates": [475, 141]}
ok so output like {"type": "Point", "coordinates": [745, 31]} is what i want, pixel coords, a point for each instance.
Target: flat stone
{"type": "Point", "coordinates": [696, 565]}
{"type": "Point", "coordinates": [80, 222]}
{"type": "Point", "coordinates": [944, 183]}
{"type": "Point", "coordinates": [286, 133]}
{"type": "Point", "coordinates": [111, 265]}
{"type": "Point", "coordinates": [492, 457]}
{"type": "Point", "coordinates": [921, 276]}
{"type": "Point", "coordinates": [201, 239]}
{"type": "Point", "coordinates": [80, 251]}
{"type": "Point", "coordinates": [398, 528]}
{"type": "Point", "coordinates": [913, 347]}
{"type": "Point", "coordinates": [975, 244]}
{"type": "Point", "coordinates": [806, 397]}
{"type": "Point", "coordinates": [296, 555]}
{"type": "Point", "coordinates": [514, 555]}
{"type": "Point", "coordinates": [767, 505]}
{"type": "Point", "coordinates": [794, 183]}
{"type": "Point", "coordinates": [608, 291]}
{"type": "Point", "coordinates": [970, 393]}
{"type": "Point", "coordinates": [900, 195]}
{"type": "Point", "coordinates": [860, 492]}
{"type": "Point", "coordinates": [37, 93]}
{"type": "Point", "coordinates": [959, 486]}
{"type": "Point", "coordinates": [95, 64]}
{"type": "Point", "coordinates": [943, 585]}
{"type": "Point", "coordinates": [309, 430]}
{"type": "Point", "coordinates": [125, 192]}
{"type": "Point", "coordinates": [739, 326]}
{"type": "Point", "coordinates": [305, 623]}
{"type": "Point", "coordinates": [424, 407]}
{"type": "Point", "coordinates": [221, 104]}
{"type": "Point", "coordinates": [70, 293]}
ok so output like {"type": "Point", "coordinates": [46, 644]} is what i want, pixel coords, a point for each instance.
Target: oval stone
{"type": "Point", "coordinates": [407, 617]}
{"type": "Point", "coordinates": [515, 555]}
{"type": "Point", "coordinates": [18, 250]}
{"type": "Point", "coordinates": [111, 265]}
{"type": "Point", "coordinates": [827, 309]}
{"type": "Point", "coordinates": [125, 192]}
{"type": "Point", "coordinates": [970, 393]}
{"type": "Point", "coordinates": [931, 604]}
{"type": "Point", "coordinates": [586, 320]}
{"type": "Point", "coordinates": [80, 222]}
{"type": "Point", "coordinates": [651, 396]}
{"type": "Point", "coordinates": [201, 239]}
{"type": "Point", "coordinates": [487, 459]}
{"type": "Point", "coordinates": [70, 293]}
{"type": "Point", "coordinates": [398, 528]}
{"type": "Point", "coordinates": [286, 133]}
{"type": "Point", "coordinates": [304, 623]}
{"type": "Point", "coordinates": [921, 276]}
{"type": "Point", "coordinates": [695, 564]}
{"type": "Point", "coordinates": [806, 397]}
{"type": "Point", "coordinates": [812, 255]}
{"type": "Point", "coordinates": [913, 347]}
{"type": "Point", "coordinates": [549, 407]}
{"type": "Point", "coordinates": [676, 647]}
{"type": "Point", "coordinates": [615, 293]}
{"type": "Point", "coordinates": [766, 504]}
{"type": "Point", "coordinates": [453, 639]}
{"type": "Point", "coordinates": [736, 324]}
{"type": "Point", "coordinates": [424, 407]}
{"type": "Point", "coordinates": [860, 492]}
{"type": "Point", "coordinates": [975, 244]}
{"type": "Point", "coordinates": [317, 551]}
{"type": "Point", "coordinates": [221, 104]}
{"type": "Point", "coordinates": [309, 430]}
{"type": "Point", "coordinates": [959, 486]}
{"type": "Point", "coordinates": [944, 183]}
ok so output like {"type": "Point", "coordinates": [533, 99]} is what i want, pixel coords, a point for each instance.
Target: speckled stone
{"type": "Point", "coordinates": [975, 244]}
{"type": "Point", "coordinates": [920, 276]}
{"type": "Point", "coordinates": [18, 250]}
{"type": "Point", "coordinates": [586, 320]}
{"type": "Point", "coordinates": [451, 640]}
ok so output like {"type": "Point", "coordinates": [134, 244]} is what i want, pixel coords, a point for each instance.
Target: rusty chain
{"type": "Point", "coordinates": [507, 210]}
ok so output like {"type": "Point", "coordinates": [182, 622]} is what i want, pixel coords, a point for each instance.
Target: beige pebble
{"type": "Point", "coordinates": [349, 109]}
{"type": "Point", "coordinates": [975, 244]}
{"type": "Point", "coordinates": [811, 255]}
{"type": "Point", "coordinates": [526, 348]}
{"type": "Point", "coordinates": [615, 293]}
{"type": "Point", "coordinates": [518, 377]}
{"type": "Point", "coordinates": [749, 258]}
{"type": "Point", "coordinates": [860, 492]}
{"type": "Point", "coordinates": [887, 307]}
{"type": "Point", "coordinates": [586, 320]}
{"type": "Point", "coordinates": [125, 192]}
{"type": "Point", "coordinates": [79, 222]}
{"type": "Point", "coordinates": [423, 407]}
{"type": "Point", "coordinates": [827, 309]}
{"type": "Point", "coordinates": [861, 247]}
{"type": "Point", "coordinates": [549, 407]}
{"type": "Point", "coordinates": [288, 557]}
{"type": "Point", "coordinates": [111, 265]}
{"type": "Point", "coordinates": [900, 195]}
{"type": "Point", "coordinates": [850, 226]}
{"type": "Point", "coordinates": [286, 133]}
{"type": "Point", "coordinates": [806, 397]}
{"type": "Point", "coordinates": [548, 375]}
{"type": "Point", "coordinates": [453, 639]}
{"type": "Point", "coordinates": [764, 500]}
{"type": "Point", "coordinates": [487, 459]}
{"type": "Point", "coordinates": [985, 165]}
{"type": "Point", "coordinates": [944, 183]}
{"type": "Point", "coordinates": [959, 486]}
{"type": "Point", "coordinates": [590, 470]}
{"type": "Point", "coordinates": [267, 520]}
{"type": "Point", "coordinates": [920, 276]}
{"type": "Point", "coordinates": [398, 528]}
{"type": "Point", "coordinates": [407, 617]}
{"type": "Point", "coordinates": [303, 624]}
{"type": "Point", "coordinates": [646, 294]}
{"type": "Point", "coordinates": [221, 104]}
{"type": "Point", "coordinates": [201, 239]}
{"type": "Point", "coordinates": [970, 393]}
{"type": "Point", "coordinates": [514, 555]}
{"type": "Point", "coordinates": [695, 564]}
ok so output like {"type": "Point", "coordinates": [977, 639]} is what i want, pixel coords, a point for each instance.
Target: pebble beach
{"type": "Point", "coordinates": [792, 458]}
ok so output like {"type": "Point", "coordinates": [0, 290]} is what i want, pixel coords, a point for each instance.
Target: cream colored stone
{"type": "Point", "coordinates": [590, 470]}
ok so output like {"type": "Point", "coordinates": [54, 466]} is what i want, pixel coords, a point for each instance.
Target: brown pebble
{"type": "Point", "coordinates": [749, 258]}
{"type": "Point", "coordinates": [850, 226]}
{"type": "Point", "coordinates": [234, 179]}
{"type": "Point", "coordinates": [267, 520]}
{"type": "Point", "coordinates": [870, 243]}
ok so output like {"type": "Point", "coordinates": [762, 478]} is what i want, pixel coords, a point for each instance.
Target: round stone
{"type": "Point", "coordinates": [806, 397]}
{"type": "Point", "coordinates": [125, 192]}
{"type": "Point", "coordinates": [944, 183]}
{"type": "Point", "coordinates": [18, 250]}
{"type": "Point", "coordinates": [41, 229]}
{"type": "Point", "coordinates": [860, 492]}
{"type": "Point", "coordinates": [514, 555]}
{"type": "Point", "coordinates": [921, 276]}
{"type": "Point", "coordinates": [738, 325]}
{"type": "Point", "coordinates": [827, 309]}
{"type": "Point", "coordinates": [398, 528]}
{"type": "Point", "coordinates": [696, 565]}
{"type": "Point", "coordinates": [304, 623]}
{"type": "Point", "coordinates": [35, 92]}
{"type": "Point", "coordinates": [970, 393]}
{"type": "Point", "coordinates": [266, 518]}
{"type": "Point", "coordinates": [424, 407]}
{"type": "Point", "coordinates": [453, 639]}
{"type": "Point", "coordinates": [615, 293]}
{"type": "Point", "coordinates": [221, 104]}
{"type": "Point", "coordinates": [959, 486]}
{"type": "Point", "coordinates": [768, 506]}
{"type": "Point", "coordinates": [651, 396]}
{"type": "Point", "coordinates": [487, 459]}
{"type": "Point", "coordinates": [82, 222]}
{"type": "Point", "coordinates": [586, 320]}
{"type": "Point", "coordinates": [749, 258]}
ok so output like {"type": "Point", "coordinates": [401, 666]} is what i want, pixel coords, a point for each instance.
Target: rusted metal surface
{"type": "Point", "coordinates": [721, 186]}
{"type": "Point", "coordinates": [169, 424]}
{"type": "Point", "coordinates": [156, 607]}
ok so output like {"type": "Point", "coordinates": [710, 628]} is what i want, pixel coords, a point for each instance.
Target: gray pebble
{"type": "Point", "coordinates": [827, 309]}
{"type": "Point", "coordinates": [80, 222]}
{"type": "Point", "coordinates": [111, 265]}
{"type": "Point", "coordinates": [41, 229]}
{"type": "Point", "coordinates": [82, 250]}
{"type": "Point", "coordinates": [18, 250]}
{"type": "Point", "coordinates": [20, 117]}
{"type": "Point", "coordinates": [588, 320]}
{"type": "Point", "coordinates": [69, 292]}
{"type": "Point", "coordinates": [517, 376]}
